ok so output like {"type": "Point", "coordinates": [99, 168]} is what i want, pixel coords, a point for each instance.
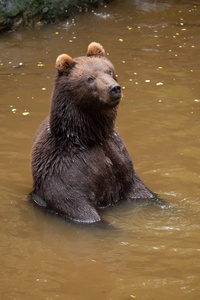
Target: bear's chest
{"type": "Point", "coordinates": [104, 172]}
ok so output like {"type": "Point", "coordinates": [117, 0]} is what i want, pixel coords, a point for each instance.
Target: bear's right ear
{"type": "Point", "coordinates": [64, 62]}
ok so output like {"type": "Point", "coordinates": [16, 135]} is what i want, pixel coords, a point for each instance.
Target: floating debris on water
{"type": "Point", "coordinates": [18, 66]}
{"type": "Point", "coordinates": [40, 64]}
{"type": "Point", "coordinates": [26, 113]}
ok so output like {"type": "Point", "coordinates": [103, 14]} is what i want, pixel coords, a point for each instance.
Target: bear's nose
{"type": "Point", "coordinates": [115, 91]}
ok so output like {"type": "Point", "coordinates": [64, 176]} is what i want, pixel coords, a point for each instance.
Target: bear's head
{"type": "Point", "coordinates": [89, 80]}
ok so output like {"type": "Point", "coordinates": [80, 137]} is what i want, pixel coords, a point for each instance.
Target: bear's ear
{"type": "Point", "coordinates": [95, 49]}
{"type": "Point", "coordinates": [64, 62]}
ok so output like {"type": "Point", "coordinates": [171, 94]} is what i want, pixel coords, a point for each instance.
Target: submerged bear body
{"type": "Point", "coordinates": [79, 162]}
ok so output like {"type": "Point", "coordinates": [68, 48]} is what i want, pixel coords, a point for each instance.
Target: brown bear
{"type": "Point", "coordinates": [79, 162]}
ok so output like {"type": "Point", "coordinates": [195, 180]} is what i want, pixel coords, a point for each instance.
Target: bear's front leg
{"type": "Point", "coordinates": [139, 190]}
{"type": "Point", "coordinates": [72, 204]}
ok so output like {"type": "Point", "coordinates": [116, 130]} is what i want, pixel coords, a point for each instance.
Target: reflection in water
{"type": "Point", "coordinates": [148, 251]}
{"type": "Point", "coordinates": [151, 6]}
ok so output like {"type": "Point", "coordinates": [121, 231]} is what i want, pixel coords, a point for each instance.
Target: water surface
{"type": "Point", "coordinates": [150, 251]}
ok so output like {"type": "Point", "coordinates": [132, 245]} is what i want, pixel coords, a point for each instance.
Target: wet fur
{"type": "Point", "coordinates": [79, 162]}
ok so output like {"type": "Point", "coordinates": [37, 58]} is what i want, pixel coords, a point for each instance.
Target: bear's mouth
{"type": "Point", "coordinates": [114, 101]}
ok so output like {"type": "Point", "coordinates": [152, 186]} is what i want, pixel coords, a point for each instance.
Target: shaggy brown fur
{"type": "Point", "coordinates": [79, 162]}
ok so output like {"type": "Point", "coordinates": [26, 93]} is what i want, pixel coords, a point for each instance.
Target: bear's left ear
{"type": "Point", "coordinates": [64, 62]}
{"type": "Point", "coordinates": [95, 49]}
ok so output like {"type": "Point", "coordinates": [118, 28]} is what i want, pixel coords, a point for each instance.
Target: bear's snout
{"type": "Point", "coordinates": [115, 91]}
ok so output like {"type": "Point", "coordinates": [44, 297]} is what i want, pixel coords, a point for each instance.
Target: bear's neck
{"type": "Point", "coordinates": [69, 123]}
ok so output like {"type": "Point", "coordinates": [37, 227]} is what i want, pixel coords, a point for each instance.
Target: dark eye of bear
{"type": "Point", "coordinates": [110, 72]}
{"type": "Point", "coordinates": [91, 79]}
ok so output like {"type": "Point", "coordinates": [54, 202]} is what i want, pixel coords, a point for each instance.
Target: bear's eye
{"type": "Point", "coordinates": [90, 79]}
{"type": "Point", "coordinates": [110, 72]}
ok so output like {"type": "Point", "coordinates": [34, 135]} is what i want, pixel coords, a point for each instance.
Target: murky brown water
{"type": "Point", "coordinates": [154, 251]}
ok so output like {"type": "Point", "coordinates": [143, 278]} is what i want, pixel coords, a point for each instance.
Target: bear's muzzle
{"type": "Point", "coordinates": [115, 91]}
